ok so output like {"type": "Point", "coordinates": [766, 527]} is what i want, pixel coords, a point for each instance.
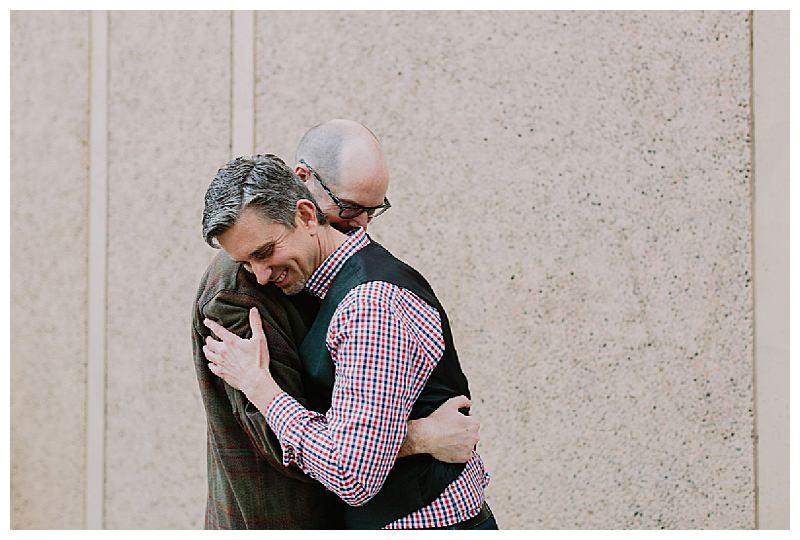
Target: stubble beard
{"type": "Point", "coordinates": [296, 287]}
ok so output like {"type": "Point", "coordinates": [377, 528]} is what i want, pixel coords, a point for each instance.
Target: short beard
{"type": "Point", "coordinates": [296, 287]}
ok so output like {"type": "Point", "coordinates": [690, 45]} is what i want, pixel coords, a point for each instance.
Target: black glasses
{"type": "Point", "coordinates": [349, 211]}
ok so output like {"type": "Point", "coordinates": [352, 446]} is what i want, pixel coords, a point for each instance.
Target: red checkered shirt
{"type": "Point", "coordinates": [384, 342]}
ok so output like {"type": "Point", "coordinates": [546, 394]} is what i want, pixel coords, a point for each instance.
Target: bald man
{"type": "Point", "coordinates": [344, 167]}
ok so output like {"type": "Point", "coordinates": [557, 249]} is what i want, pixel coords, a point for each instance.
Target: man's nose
{"type": "Point", "coordinates": [263, 273]}
{"type": "Point", "coordinates": [360, 220]}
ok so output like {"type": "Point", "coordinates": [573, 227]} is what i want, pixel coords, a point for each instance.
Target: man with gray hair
{"type": "Point", "coordinates": [247, 485]}
{"type": "Point", "coordinates": [380, 352]}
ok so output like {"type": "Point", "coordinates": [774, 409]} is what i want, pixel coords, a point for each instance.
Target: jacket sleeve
{"type": "Point", "coordinates": [283, 327]}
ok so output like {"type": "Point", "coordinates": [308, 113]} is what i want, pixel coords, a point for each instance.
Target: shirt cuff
{"type": "Point", "coordinates": [281, 413]}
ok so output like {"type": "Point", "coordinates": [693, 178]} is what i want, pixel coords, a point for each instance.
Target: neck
{"type": "Point", "coordinates": [329, 240]}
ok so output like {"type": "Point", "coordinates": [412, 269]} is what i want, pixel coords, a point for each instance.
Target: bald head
{"type": "Point", "coordinates": [350, 161]}
{"type": "Point", "coordinates": [327, 146]}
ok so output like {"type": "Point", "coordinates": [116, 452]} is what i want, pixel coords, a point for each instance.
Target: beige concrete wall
{"type": "Point", "coordinates": [576, 186]}
{"type": "Point", "coordinates": [49, 237]}
{"type": "Point", "coordinates": [771, 263]}
{"type": "Point", "coordinates": [169, 131]}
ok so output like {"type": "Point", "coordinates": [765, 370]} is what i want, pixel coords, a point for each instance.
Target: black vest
{"type": "Point", "coordinates": [414, 481]}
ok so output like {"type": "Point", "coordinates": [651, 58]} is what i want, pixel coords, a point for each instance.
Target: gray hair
{"type": "Point", "coordinates": [262, 182]}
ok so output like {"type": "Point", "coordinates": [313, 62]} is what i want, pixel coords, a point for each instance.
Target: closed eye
{"type": "Point", "coordinates": [263, 254]}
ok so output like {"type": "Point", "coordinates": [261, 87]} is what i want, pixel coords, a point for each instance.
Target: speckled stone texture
{"type": "Point", "coordinates": [576, 187]}
{"type": "Point", "coordinates": [49, 238]}
{"type": "Point", "coordinates": [169, 105]}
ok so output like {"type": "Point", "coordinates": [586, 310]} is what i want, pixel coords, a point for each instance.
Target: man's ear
{"type": "Point", "coordinates": [306, 214]}
{"type": "Point", "coordinates": [302, 172]}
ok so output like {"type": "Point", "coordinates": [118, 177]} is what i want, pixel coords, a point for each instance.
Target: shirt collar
{"type": "Point", "coordinates": [320, 281]}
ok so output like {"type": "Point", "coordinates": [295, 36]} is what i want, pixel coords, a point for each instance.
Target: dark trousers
{"type": "Point", "coordinates": [488, 525]}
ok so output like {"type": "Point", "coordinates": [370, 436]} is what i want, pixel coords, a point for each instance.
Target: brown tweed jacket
{"type": "Point", "coordinates": [248, 487]}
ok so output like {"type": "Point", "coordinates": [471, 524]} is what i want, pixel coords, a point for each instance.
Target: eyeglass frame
{"type": "Point", "coordinates": [343, 207]}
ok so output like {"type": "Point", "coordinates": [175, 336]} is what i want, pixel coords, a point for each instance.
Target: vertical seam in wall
{"type": "Point", "coordinates": [253, 78]}
{"type": "Point", "coordinates": [771, 189]}
{"type": "Point", "coordinates": [88, 156]}
{"type": "Point", "coordinates": [106, 198]}
{"type": "Point", "coordinates": [753, 299]}
{"type": "Point", "coordinates": [98, 279]}
{"type": "Point", "coordinates": [231, 69]}
{"type": "Point", "coordinates": [243, 85]}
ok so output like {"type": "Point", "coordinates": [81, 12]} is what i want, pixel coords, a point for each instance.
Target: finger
{"type": "Point", "coordinates": [222, 333]}
{"type": "Point", "coordinates": [255, 324]}
{"type": "Point", "coordinates": [211, 355]}
{"type": "Point", "coordinates": [263, 354]}
{"type": "Point", "coordinates": [475, 428]}
{"type": "Point", "coordinates": [214, 369]}
{"type": "Point", "coordinates": [214, 345]}
{"type": "Point", "coordinates": [459, 402]}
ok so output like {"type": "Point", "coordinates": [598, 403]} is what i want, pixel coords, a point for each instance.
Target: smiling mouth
{"type": "Point", "coordinates": [279, 280]}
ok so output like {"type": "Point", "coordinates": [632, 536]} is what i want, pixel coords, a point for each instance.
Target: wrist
{"type": "Point", "coordinates": [415, 439]}
{"type": "Point", "coordinates": [261, 391]}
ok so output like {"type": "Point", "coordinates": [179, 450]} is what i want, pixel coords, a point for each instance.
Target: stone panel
{"type": "Point", "coordinates": [576, 186]}
{"type": "Point", "coordinates": [49, 250]}
{"type": "Point", "coordinates": [169, 118]}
